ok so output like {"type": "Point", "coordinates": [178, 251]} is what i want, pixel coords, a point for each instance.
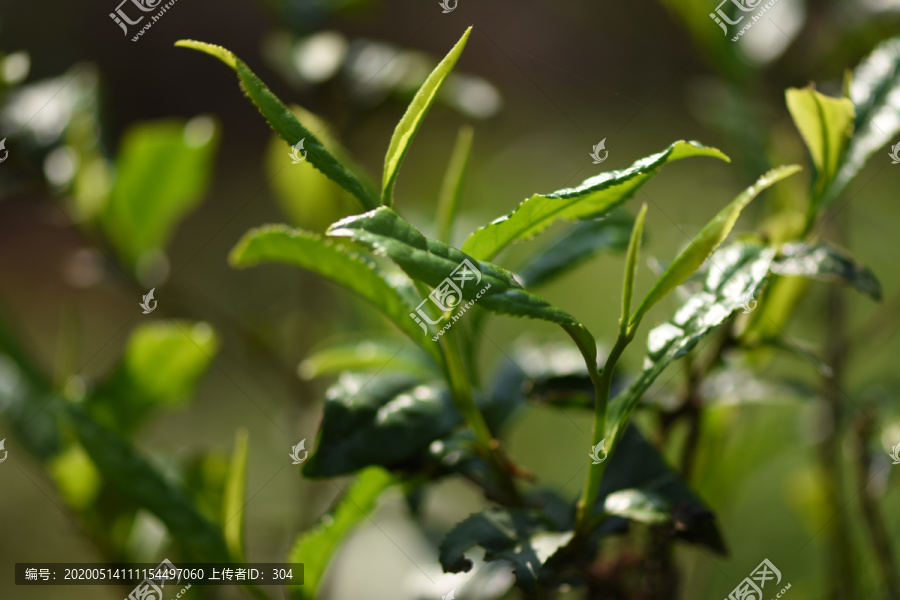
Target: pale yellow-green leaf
{"type": "Point", "coordinates": [826, 125]}
{"type": "Point", "coordinates": [233, 501]}
{"type": "Point", "coordinates": [412, 119]}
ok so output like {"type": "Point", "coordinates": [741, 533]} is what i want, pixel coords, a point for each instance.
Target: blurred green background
{"type": "Point", "coordinates": [541, 82]}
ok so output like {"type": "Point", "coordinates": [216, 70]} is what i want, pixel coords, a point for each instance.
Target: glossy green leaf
{"type": "Point", "coordinates": [875, 91]}
{"type": "Point", "coordinates": [634, 247]}
{"type": "Point", "coordinates": [133, 477]}
{"type": "Point", "coordinates": [709, 238]}
{"type": "Point", "coordinates": [285, 124]}
{"type": "Point", "coordinates": [738, 276]}
{"type": "Point", "coordinates": [233, 501]}
{"type": "Point", "coordinates": [522, 537]}
{"type": "Point", "coordinates": [315, 548]}
{"type": "Point", "coordinates": [163, 362]}
{"type": "Point", "coordinates": [277, 243]}
{"type": "Point", "coordinates": [641, 486]}
{"type": "Point", "coordinates": [371, 354]}
{"type": "Point", "coordinates": [380, 421]}
{"type": "Point", "coordinates": [415, 114]}
{"type": "Point", "coordinates": [826, 263]}
{"type": "Point", "coordinates": [432, 262]}
{"type": "Point", "coordinates": [451, 190]}
{"type": "Point", "coordinates": [826, 125]}
{"type": "Point", "coordinates": [576, 245]}
{"type": "Point", "coordinates": [161, 173]}
{"type": "Point", "coordinates": [591, 199]}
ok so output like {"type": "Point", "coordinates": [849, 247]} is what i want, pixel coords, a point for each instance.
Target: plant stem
{"type": "Point", "coordinates": [461, 392]}
{"type": "Point", "coordinates": [840, 549]}
{"type": "Point", "coordinates": [881, 545]}
{"type": "Point", "coordinates": [601, 403]}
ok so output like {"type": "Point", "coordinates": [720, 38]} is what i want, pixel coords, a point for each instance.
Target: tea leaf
{"type": "Point", "coordinates": [233, 502]}
{"type": "Point", "coordinates": [451, 190]}
{"type": "Point", "coordinates": [826, 125]}
{"type": "Point", "coordinates": [277, 243]}
{"type": "Point", "coordinates": [631, 258]}
{"type": "Point", "coordinates": [161, 174]}
{"type": "Point", "coordinates": [576, 245]}
{"type": "Point", "coordinates": [415, 114]}
{"type": "Point", "coordinates": [163, 362]}
{"type": "Point", "coordinates": [739, 274]}
{"type": "Point", "coordinates": [433, 262]}
{"type": "Point", "coordinates": [875, 90]}
{"type": "Point", "coordinates": [133, 477]}
{"type": "Point", "coordinates": [641, 486]}
{"type": "Point", "coordinates": [371, 354]}
{"type": "Point", "coordinates": [709, 238]}
{"type": "Point", "coordinates": [826, 263]}
{"type": "Point", "coordinates": [591, 199]}
{"type": "Point", "coordinates": [522, 537]}
{"type": "Point", "coordinates": [316, 547]}
{"type": "Point", "coordinates": [283, 121]}
{"type": "Point", "coordinates": [381, 421]}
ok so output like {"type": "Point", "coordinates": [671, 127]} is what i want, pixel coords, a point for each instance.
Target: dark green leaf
{"type": "Point", "coordinates": [316, 547]}
{"type": "Point", "coordinates": [277, 243]}
{"type": "Point", "coordinates": [576, 245]}
{"type": "Point", "coordinates": [875, 90]}
{"type": "Point", "coordinates": [826, 263]}
{"type": "Point", "coordinates": [161, 173]}
{"type": "Point", "coordinates": [640, 485]}
{"type": "Point", "coordinates": [709, 238]}
{"type": "Point", "coordinates": [591, 199]}
{"type": "Point", "coordinates": [287, 126]}
{"type": "Point", "coordinates": [415, 114]}
{"type": "Point", "coordinates": [737, 275]}
{"type": "Point", "coordinates": [382, 421]}
{"type": "Point", "coordinates": [522, 537]}
{"type": "Point", "coordinates": [310, 199]}
{"type": "Point", "coordinates": [132, 476]}
{"type": "Point", "coordinates": [433, 262]}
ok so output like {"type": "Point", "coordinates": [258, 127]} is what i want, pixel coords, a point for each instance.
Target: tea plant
{"type": "Point", "coordinates": [426, 417]}
{"type": "Point", "coordinates": [409, 413]}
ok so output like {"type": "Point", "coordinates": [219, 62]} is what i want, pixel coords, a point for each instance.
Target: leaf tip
{"type": "Point", "coordinates": [223, 54]}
